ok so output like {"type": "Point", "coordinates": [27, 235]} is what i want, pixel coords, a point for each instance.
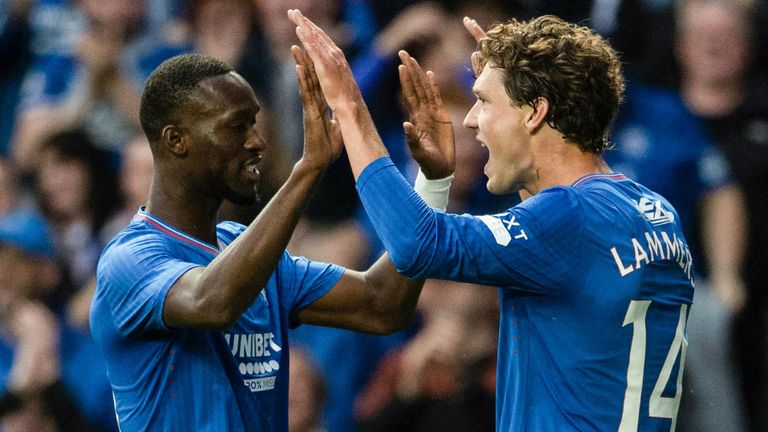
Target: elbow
{"type": "Point", "coordinates": [405, 257]}
{"type": "Point", "coordinates": [412, 251]}
{"type": "Point", "coordinates": [222, 321]}
{"type": "Point", "coordinates": [217, 315]}
{"type": "Point", "coordinates": [392, 322]}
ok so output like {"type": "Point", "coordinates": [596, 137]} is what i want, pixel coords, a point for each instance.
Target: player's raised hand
{"type": "Point", "coordinates": [322, 139]}
{"type": "Point", "coordinates": [429, 132]}
{"type": "Point", "coordinates": [333, 72]}
{"type": "Point", "coordinates": [474, 28]}
{"type": "Point", "coordinates": [477, 33]}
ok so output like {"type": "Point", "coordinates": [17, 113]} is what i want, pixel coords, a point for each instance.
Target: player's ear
{"type": "Point", "coordinates": [538, 115]}
{"type": "Point", "coordinates": [173, 140]}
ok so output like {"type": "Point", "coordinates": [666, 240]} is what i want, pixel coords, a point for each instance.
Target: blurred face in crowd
{"type": "Point", "coordinates": [64, 186]}
{"type": "Point", "coordinates": [500, 126]}
{"type": "Point", "coordinates": [220, 12]}
{"type": "Point", "coordinates": [32, 276]}
{"type": "Point", "coordinates": [114, 12]}
{"type": "Point", "coordinates": [225, 147]}
{"type": "Point", "coordinates": [713, 41]}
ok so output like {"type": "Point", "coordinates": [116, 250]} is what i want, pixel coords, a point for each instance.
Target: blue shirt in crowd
{"type": "Point", "coordinates": [166, 379]}
{"type": "Point", "coordinates": [595, 282]}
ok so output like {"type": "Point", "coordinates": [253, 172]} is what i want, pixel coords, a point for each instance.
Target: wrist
{"type": "Point", "coordinates": [433, 192]}
{"type": "Point", "coordinates": [305, 167]}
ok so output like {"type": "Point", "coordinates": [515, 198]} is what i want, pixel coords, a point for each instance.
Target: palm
{"type": "Point", "coordinates": [430, 131]}
{"type": "Point", "coordinates": [322, 140]}
{"type": "Point", "coordinates": [434, 150]}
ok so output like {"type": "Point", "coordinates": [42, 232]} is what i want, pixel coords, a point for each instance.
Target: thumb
{"type": "Point", "coordinates": [411, 137]}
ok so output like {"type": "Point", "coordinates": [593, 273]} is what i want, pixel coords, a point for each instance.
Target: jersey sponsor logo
{"type": "Point", "coordinates": [654, 212]}
{"type": "Point", "coordinates": [504, 227]}
{"type": "Point", "coordinates": [256, 354]}
{"type": "Point", "coordinates": [252, 344]}
{"type": "Point", "coordinates": [260, 384]}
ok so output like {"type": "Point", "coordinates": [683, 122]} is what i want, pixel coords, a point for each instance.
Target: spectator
{"type": "Point", "coordinates": [15, 36]}
{"type": "Point", "coordinates": [443, 378]}
{"type": "Point", "coordinates": [660, 144]}
{"type": "Point", "coordinates": [95, 83]}
{"type": "Point", "coordinates": [307, 393]}
{"type": "Point", "coordinates": [77, 192]}
{"type": "Point", "coordinates": [42, 360]}
{"type": "Point", "coordinates": [715, 46]}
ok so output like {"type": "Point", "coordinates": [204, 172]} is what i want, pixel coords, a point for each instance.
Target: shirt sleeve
{"type": "Point", "coordinates": [134, 278]}
{"type": "Point", "coordinates": [302, 281]}
{"type": "Point", "coordinates": [529, 248]}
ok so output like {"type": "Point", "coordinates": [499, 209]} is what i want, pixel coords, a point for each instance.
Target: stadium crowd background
{"type": "Point", "coordinates": [75, 167]}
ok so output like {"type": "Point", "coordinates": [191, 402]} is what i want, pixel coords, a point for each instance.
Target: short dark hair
{"type": "Point", "coordinates": [170, 88]}
{"type": "Point", "coordinates": [576, 70]}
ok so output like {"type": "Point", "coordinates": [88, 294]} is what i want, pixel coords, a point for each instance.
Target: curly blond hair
{"type": "Point", "coordinates": [576, 70]}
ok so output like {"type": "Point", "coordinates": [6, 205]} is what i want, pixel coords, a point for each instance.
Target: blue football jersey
{"type": "Point", "coordinates": [166, 379]}
{"type": "Point", "coordinates": [595, 283]}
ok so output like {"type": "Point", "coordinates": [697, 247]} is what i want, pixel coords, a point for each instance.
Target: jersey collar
{"type": "Point", "coordinates": [163, 227]}
{"type": "Point", "coordinates": [590, 177]}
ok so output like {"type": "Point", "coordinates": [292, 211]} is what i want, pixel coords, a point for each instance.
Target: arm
{"type": "Point", "coordinates": [379, 300]}
{"type": "Point", "coordinates": [215, 296]}
{"type": "Point", "coordinates": [362, 141]}
{"type": "Point", "coordinates": [724, 238]}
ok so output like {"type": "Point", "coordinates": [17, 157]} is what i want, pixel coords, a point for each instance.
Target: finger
{"type": "Point", "coordinates": [417, 75]}
{"type": "Point", "coordinates": [302, 59]}
{"type": "Point", "coordinates": [413, 75]}
{"type": "Point", "coordinates": [305, 94]}
{"type": "Point", "coordinates": [311, 30]}
{"type": "Point", "coordinates": [409, 94]}
{"type": "Point", "coordinates": [324, 53]}
{"type": "Point", "coordinates": [304, 32]}
{"type": "Point", "coordinates": [474, 28]}
{"type": "Point", "coordinates": [411, 137]}
{"type": "Point", "coordinates": [303, 87]}
{"type": "Point", "coordinates": [428, 88]}
{"type": "Point", "coordinates": [298, 55]}
{"type": "Point", "coordinates": [314, 81]}
{"type": "Point", "coordinates": [435, 90]}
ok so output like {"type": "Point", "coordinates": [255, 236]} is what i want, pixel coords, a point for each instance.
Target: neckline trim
{"type": "Point", "coordinates": [590, 177]}
{"type": "Point", "coordinates": [163, 227]}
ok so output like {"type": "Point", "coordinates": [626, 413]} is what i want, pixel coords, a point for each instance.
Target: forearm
{"type": "Point", "coordinates": [401, 219]}
{"type": "Point", "coordinates": [232, 281]}
{"type": "Point", "coordinates": [395, 296]}
{"type": "Point", "coordinates": [361, 139]}
{"type": "Point", "coordinates": [724, 231]}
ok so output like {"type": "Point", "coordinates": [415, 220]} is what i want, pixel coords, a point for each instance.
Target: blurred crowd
{"type": "Point", "coordinates": [75, 167]}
